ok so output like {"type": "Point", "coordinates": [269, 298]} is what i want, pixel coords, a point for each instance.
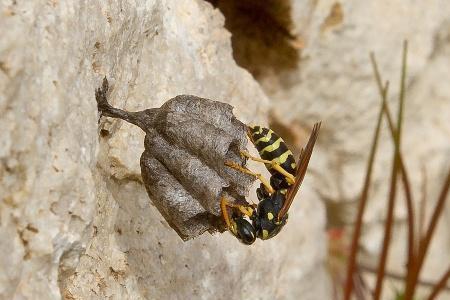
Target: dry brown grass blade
{"type": "Point", "coordinates": [405, 178]}
{"type": "Point", "coordinates": [393, 185]}
{"type": "Point", "coordinates": [413, 274]}
{"type": "Point", "coordinates": [351, 265]}
{"type": "Point", "coordinates": [440, 285]}
{"type": "Point", "coordinates": [360, 288]}
{"type": "Point", "coordinates": [423, 203]}
{"type": "Point", "coordinates": [416, 251]}
{"type": "Point", "coordinates": [401, 277]}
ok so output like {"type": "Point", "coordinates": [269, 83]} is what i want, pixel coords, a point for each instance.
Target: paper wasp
{"type": "Point", "coordinates": [275, 197]}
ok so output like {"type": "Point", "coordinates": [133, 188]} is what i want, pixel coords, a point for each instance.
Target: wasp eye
{"type": "Point", "coordinates": [276, 182]}
{"type": "Point", "coordinates": [245, 232]}
{"type": "Point", "coordinates": [262, 193]}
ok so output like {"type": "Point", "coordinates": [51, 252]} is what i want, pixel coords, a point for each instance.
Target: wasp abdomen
{"type": "Point", "coordinates": [272, 147]}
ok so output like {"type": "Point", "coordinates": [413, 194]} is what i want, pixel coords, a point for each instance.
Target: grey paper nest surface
{"type": "Point", "coordinates": [188, 140]}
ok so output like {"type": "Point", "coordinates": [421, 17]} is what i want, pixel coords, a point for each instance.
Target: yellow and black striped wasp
{"type": "Point", "coordinates": [275, 197]}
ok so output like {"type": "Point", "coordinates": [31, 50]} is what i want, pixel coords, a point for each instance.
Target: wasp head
{"type": "Point", "coordinates": [243, 230]}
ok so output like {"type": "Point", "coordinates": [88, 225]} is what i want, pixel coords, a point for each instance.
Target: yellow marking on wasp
{"type": "Point", "coordinates": [266, 138]}
{"type": "Point", "coordinates": [293, 165]}
{"type": "Point", "coordinates": [282, 158]}
{"type": "Point", "coordinates": [231, 224]}
{"type": "Point", "coordinates": [283, 191]}
{"type": "Point", "coordinates": [233, 227]}
{"type": "Point", "coordinates": [270, 216]}
{"type": "Point", "coordinates": [272, 147]}
{"type": "Point", "coordinates": [265, 234]}
{"type": "Point", "coordinates": [245, 210]}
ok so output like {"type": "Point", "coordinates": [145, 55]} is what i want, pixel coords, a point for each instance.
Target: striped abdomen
{"type": "Point", "coordinates": [272, 147]}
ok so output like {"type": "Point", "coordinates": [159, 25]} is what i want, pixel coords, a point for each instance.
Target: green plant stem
{"type": "Point", "coordinates": [413, 274]}
{"type": "Point", "coordinates": [393, 186]}
{"type": "Point", "coordinates": [387, 228]}
{"type": "Point", "coordinates": [408, 194]}
{"type": "Point", "coordinates": [351, 266]}
{"type": "Point", "coordinates": [405, 178]}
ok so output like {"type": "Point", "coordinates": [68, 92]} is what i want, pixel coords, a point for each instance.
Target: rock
{"type": "Point", "coordinates": [74, 212]}
{"type": "Point", "coordinates": [330, 78]}
{"type": "Point", "coordinates": [335, 83]}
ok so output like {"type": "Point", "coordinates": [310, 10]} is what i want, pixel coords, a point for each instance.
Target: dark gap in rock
{"type": "Point", "coordinates": [104, 133]}
{"type": "Point", "coordinates": [262, 38]}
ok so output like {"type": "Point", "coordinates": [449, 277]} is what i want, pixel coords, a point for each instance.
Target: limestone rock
{"type": "Point", "coordinates": [335, 83]}
{"type": "Point", "coordinates": [75, 219]}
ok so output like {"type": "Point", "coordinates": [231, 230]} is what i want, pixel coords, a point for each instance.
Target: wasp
{"type": "Point", "coordinates": [275, 197]}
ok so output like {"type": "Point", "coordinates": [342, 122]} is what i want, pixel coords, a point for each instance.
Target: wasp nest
{"type": "Point", "coordinates": [188, 140]}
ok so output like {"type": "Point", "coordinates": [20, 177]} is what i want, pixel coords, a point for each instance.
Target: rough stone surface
{"type": "Point", "coordinates": [75, 219]}
{"type": "Point", "coordinates": [335, 83]}
{"type": "Point", "coordinates": [74, 214]}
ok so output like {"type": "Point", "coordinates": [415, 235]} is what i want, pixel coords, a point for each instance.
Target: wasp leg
{"type": "Point", "coordinates": [224, 204]}
{"type": "Point", "coordinates": [264, 181]}
{"type": "Point", "coordinates": [289, 177]}
{"type": "Point", "coordinates": [244, 209]}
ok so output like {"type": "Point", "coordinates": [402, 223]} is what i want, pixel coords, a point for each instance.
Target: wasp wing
{"type": "Point", "coordinates": [300, 171]}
